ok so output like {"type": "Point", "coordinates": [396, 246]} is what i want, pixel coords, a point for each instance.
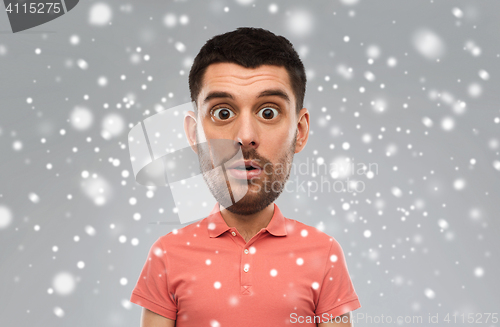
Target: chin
{"type": "Point", "coordinates": [244, 210]}
{"type": "Point", "coordinates": [251, 203]}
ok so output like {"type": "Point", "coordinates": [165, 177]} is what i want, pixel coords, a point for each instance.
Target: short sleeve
{"type": "Point", "coordinates": [151, 290]}
{"type": "Point", "coordinates": [337, 295]}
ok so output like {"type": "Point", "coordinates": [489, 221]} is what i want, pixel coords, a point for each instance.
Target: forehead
{"type": "Point", "coordinates": [234, 78]}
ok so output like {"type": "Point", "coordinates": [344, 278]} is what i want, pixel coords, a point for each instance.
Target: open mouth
{"type": "Point", "coordinates": [247, 165]}
{"type": "Point", "coordinates": [245, 168]}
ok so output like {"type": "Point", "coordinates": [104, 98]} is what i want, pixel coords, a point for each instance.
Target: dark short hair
{"type": "Point", "coordinates": [250, 47]}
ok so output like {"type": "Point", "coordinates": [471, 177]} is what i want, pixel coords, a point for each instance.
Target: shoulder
{"type": "Point", "coordinates": [312, 243]}
{"type": "Point", "coordinates": [309, 234]}
{"type": "Point", "coordinates": [181, 235]}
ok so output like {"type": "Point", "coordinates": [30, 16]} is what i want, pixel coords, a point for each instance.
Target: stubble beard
{"type": "Point", "coordinates": [262, 191]}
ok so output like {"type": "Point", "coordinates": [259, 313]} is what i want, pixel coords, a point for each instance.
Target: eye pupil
{"type": "Point", "coordinates": [224, 114]}
{"type": "Point", "coordinates": [268, 114]}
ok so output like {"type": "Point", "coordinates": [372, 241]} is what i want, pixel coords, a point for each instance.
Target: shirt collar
{"type": "Point", "coordinates": [217, 225]}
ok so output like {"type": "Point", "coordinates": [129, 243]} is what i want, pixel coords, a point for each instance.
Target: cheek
{"type": "Point", "coordinates": [278, 145]}
{"type": "Point", "coordinates": [200, 136]}
{"type": "Point", "coordinates": [213, 132]}
{"type": "Point", "coordinates": [204, 133]}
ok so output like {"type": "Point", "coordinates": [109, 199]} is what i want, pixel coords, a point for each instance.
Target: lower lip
{"type": "Point", "coordinates": [244, 174]}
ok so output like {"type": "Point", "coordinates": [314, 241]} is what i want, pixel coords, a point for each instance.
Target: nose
{"type": "Point", "coordinates": [247, 132]}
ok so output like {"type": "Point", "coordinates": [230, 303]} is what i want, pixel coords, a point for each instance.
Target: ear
{"type": "Point", "coordinates": [190, 129]}
{"type": "Point", "coordinates": [302, 130]}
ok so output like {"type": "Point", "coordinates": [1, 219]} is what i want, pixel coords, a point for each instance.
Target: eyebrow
{"type": "Point", "coordinates": [216, 95]}
{"type": "Point", "coordinates": [273, 92]}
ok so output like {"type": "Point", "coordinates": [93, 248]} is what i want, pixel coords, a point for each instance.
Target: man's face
{"type": "Point", "coordinates": [256, 109]}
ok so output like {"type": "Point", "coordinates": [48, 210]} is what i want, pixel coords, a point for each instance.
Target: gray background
{"type": "Point", "coordinates": [442, 258]}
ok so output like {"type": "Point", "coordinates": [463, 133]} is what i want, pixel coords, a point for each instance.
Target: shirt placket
{"type": "Point", "coordinates": [246, 269]}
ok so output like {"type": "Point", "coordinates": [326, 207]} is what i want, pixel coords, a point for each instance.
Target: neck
{"type": "Point", "coordinates": [248, 225]}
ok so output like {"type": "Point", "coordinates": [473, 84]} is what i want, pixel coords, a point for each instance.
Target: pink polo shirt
{"type": "Point", "coordinates": [205, 274]}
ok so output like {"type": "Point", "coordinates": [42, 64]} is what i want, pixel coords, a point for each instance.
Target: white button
{"type": "Point", "coordinates": [233, 233]}
{"type": "Point", "coordinates": [245, 269]}
{"type": "Point", "coordinates": [246, 251]}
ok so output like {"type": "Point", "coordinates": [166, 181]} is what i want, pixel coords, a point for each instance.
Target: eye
{"type": "Point", "coordinates": [268, 113]}
{"type": "Point", "coordinates": [222, 113]}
